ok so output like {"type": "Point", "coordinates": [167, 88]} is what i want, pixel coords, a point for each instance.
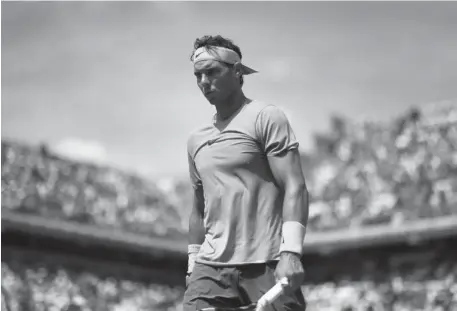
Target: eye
{"type": "Point", "coordinates": [208, 73]}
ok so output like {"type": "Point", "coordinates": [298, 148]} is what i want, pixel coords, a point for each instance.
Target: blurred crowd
{"type": "Point", "coordinates": [359, 174]}
{"type": "Point", "coordinates": [429, 282]}
{"type": "Point", "coordinates": [42, 287]}
{"type": "Point", "coordinates": [370, 173]}
{"type": "Point", "coordinates": [35, 181]}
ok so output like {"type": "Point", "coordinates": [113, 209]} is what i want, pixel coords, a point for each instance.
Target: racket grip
{"type": "Point", "coordinates": [270, 296]}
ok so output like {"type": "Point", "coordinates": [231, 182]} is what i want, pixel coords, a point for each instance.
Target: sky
{"type": "Point", "coordinates": [112, 81]}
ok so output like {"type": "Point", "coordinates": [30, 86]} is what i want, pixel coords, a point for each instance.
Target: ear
{"type": "Point", "coordinates": [237, 69]}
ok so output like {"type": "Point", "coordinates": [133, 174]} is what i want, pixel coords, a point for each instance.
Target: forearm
{"type": "Point", "coordinates": [196, 224]}
{"type": "Point", "coordinates": [295, 217]}
{"type": "Point", "coordinates": [196, 228]}
{"type": "Point", "coordinates": [295, 206]}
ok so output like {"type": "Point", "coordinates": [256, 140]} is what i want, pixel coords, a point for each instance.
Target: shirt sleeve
{"type": "Point", "coordinates": [274, 131]}
{"type": "Point", "coordinates": [194, 176]}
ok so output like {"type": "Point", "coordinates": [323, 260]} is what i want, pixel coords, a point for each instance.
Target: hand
{"type": "Point", "coordinates": [290, 266]}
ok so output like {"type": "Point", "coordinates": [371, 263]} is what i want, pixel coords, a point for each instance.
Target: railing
{"type": "Point", "coordinates": [163, 248]}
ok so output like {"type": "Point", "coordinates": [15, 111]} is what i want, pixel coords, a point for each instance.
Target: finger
{"type": "Point", "coordinates": [299, 282]}
{"type": "Point", "coordinates": [276, 276]}
{"type": "Point", "coordinates": [293, 283]}
{"type": "Point", "coordinates": [288, 289]}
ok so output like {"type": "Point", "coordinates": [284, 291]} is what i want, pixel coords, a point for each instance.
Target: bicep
{"type": "Point", "coordinates": [287, 170]}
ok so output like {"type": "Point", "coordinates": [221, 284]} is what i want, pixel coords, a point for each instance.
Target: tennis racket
{"type": "Point", "coordinates": [267, 299]}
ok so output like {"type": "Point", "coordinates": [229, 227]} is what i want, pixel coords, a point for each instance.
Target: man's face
{"type": "Point", "coordinates": [216, 80]}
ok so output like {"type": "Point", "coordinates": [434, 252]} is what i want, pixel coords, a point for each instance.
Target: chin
{"type": "Point", "coordinates": [213, 101]}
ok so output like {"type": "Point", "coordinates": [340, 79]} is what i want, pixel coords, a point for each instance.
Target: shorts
{"type": "Point", "coordinates": [213, 286]}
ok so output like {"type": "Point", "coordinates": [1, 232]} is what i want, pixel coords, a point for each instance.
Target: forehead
{"type": "Point", "coordinates": [207, 64]}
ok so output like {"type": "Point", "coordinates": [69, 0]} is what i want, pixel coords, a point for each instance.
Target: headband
{"type": "Point", "coordinates": [220, 54]}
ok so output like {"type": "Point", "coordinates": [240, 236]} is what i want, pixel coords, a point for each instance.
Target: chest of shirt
{"type": "Point", "coordinates": [229, 151]}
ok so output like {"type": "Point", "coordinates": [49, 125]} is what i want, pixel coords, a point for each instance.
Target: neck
{"type": "Point", "coordinates": [232, 104]}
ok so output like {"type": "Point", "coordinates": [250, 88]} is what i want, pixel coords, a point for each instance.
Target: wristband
{"type": "Point", "coordinates": [293, 234]}
{"type": "Point", "coordinates": [192, 251]}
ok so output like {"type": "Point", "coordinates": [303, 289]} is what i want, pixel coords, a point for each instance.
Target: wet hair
{"type": "Point", "coordinates": [207, 41]}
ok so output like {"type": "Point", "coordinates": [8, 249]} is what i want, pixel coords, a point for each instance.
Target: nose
{"type": "Point", "coordinates": [204, 81]}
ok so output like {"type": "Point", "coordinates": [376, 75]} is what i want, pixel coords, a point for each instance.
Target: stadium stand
{"type": "Point", "coordinates": [383, 224]}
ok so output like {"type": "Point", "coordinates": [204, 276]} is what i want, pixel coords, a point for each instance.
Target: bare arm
{"type": "Point", "coordinates": [288, 174]}
{"type": "Point", "coordinates": [196, 226]}
{"type": "Point", "coordinates": [281, 148]}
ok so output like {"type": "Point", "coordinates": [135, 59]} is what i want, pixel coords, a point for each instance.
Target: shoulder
{"type": "Point", "coordinates": [256, 106]}
{"type": "Point", "coordinates": [261, 108]}
{"type": "Point", "coordinates": [254, 109]}
{"type": "Point", "coordinates": [267, 113]}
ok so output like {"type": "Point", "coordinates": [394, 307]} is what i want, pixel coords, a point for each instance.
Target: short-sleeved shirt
{"type": "Point", "coordinates": [243, 205]}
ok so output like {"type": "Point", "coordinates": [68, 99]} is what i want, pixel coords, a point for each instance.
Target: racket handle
{"type": "Point", "coordinates": [270, 296]}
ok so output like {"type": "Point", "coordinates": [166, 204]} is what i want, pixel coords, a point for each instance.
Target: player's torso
{"type": "Point", "coordinates": [231, 155]}
{"type": "Point", "coordinates": [242, 202]}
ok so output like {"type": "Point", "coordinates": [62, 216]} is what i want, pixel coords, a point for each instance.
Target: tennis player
{"type": "Point", "coordinates": [250, 205]}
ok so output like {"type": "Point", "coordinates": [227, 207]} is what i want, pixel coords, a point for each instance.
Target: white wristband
{"type": "Point", "coordinates": [293, 235]}
{"type": "Point", "coordinates": [192, 251]}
